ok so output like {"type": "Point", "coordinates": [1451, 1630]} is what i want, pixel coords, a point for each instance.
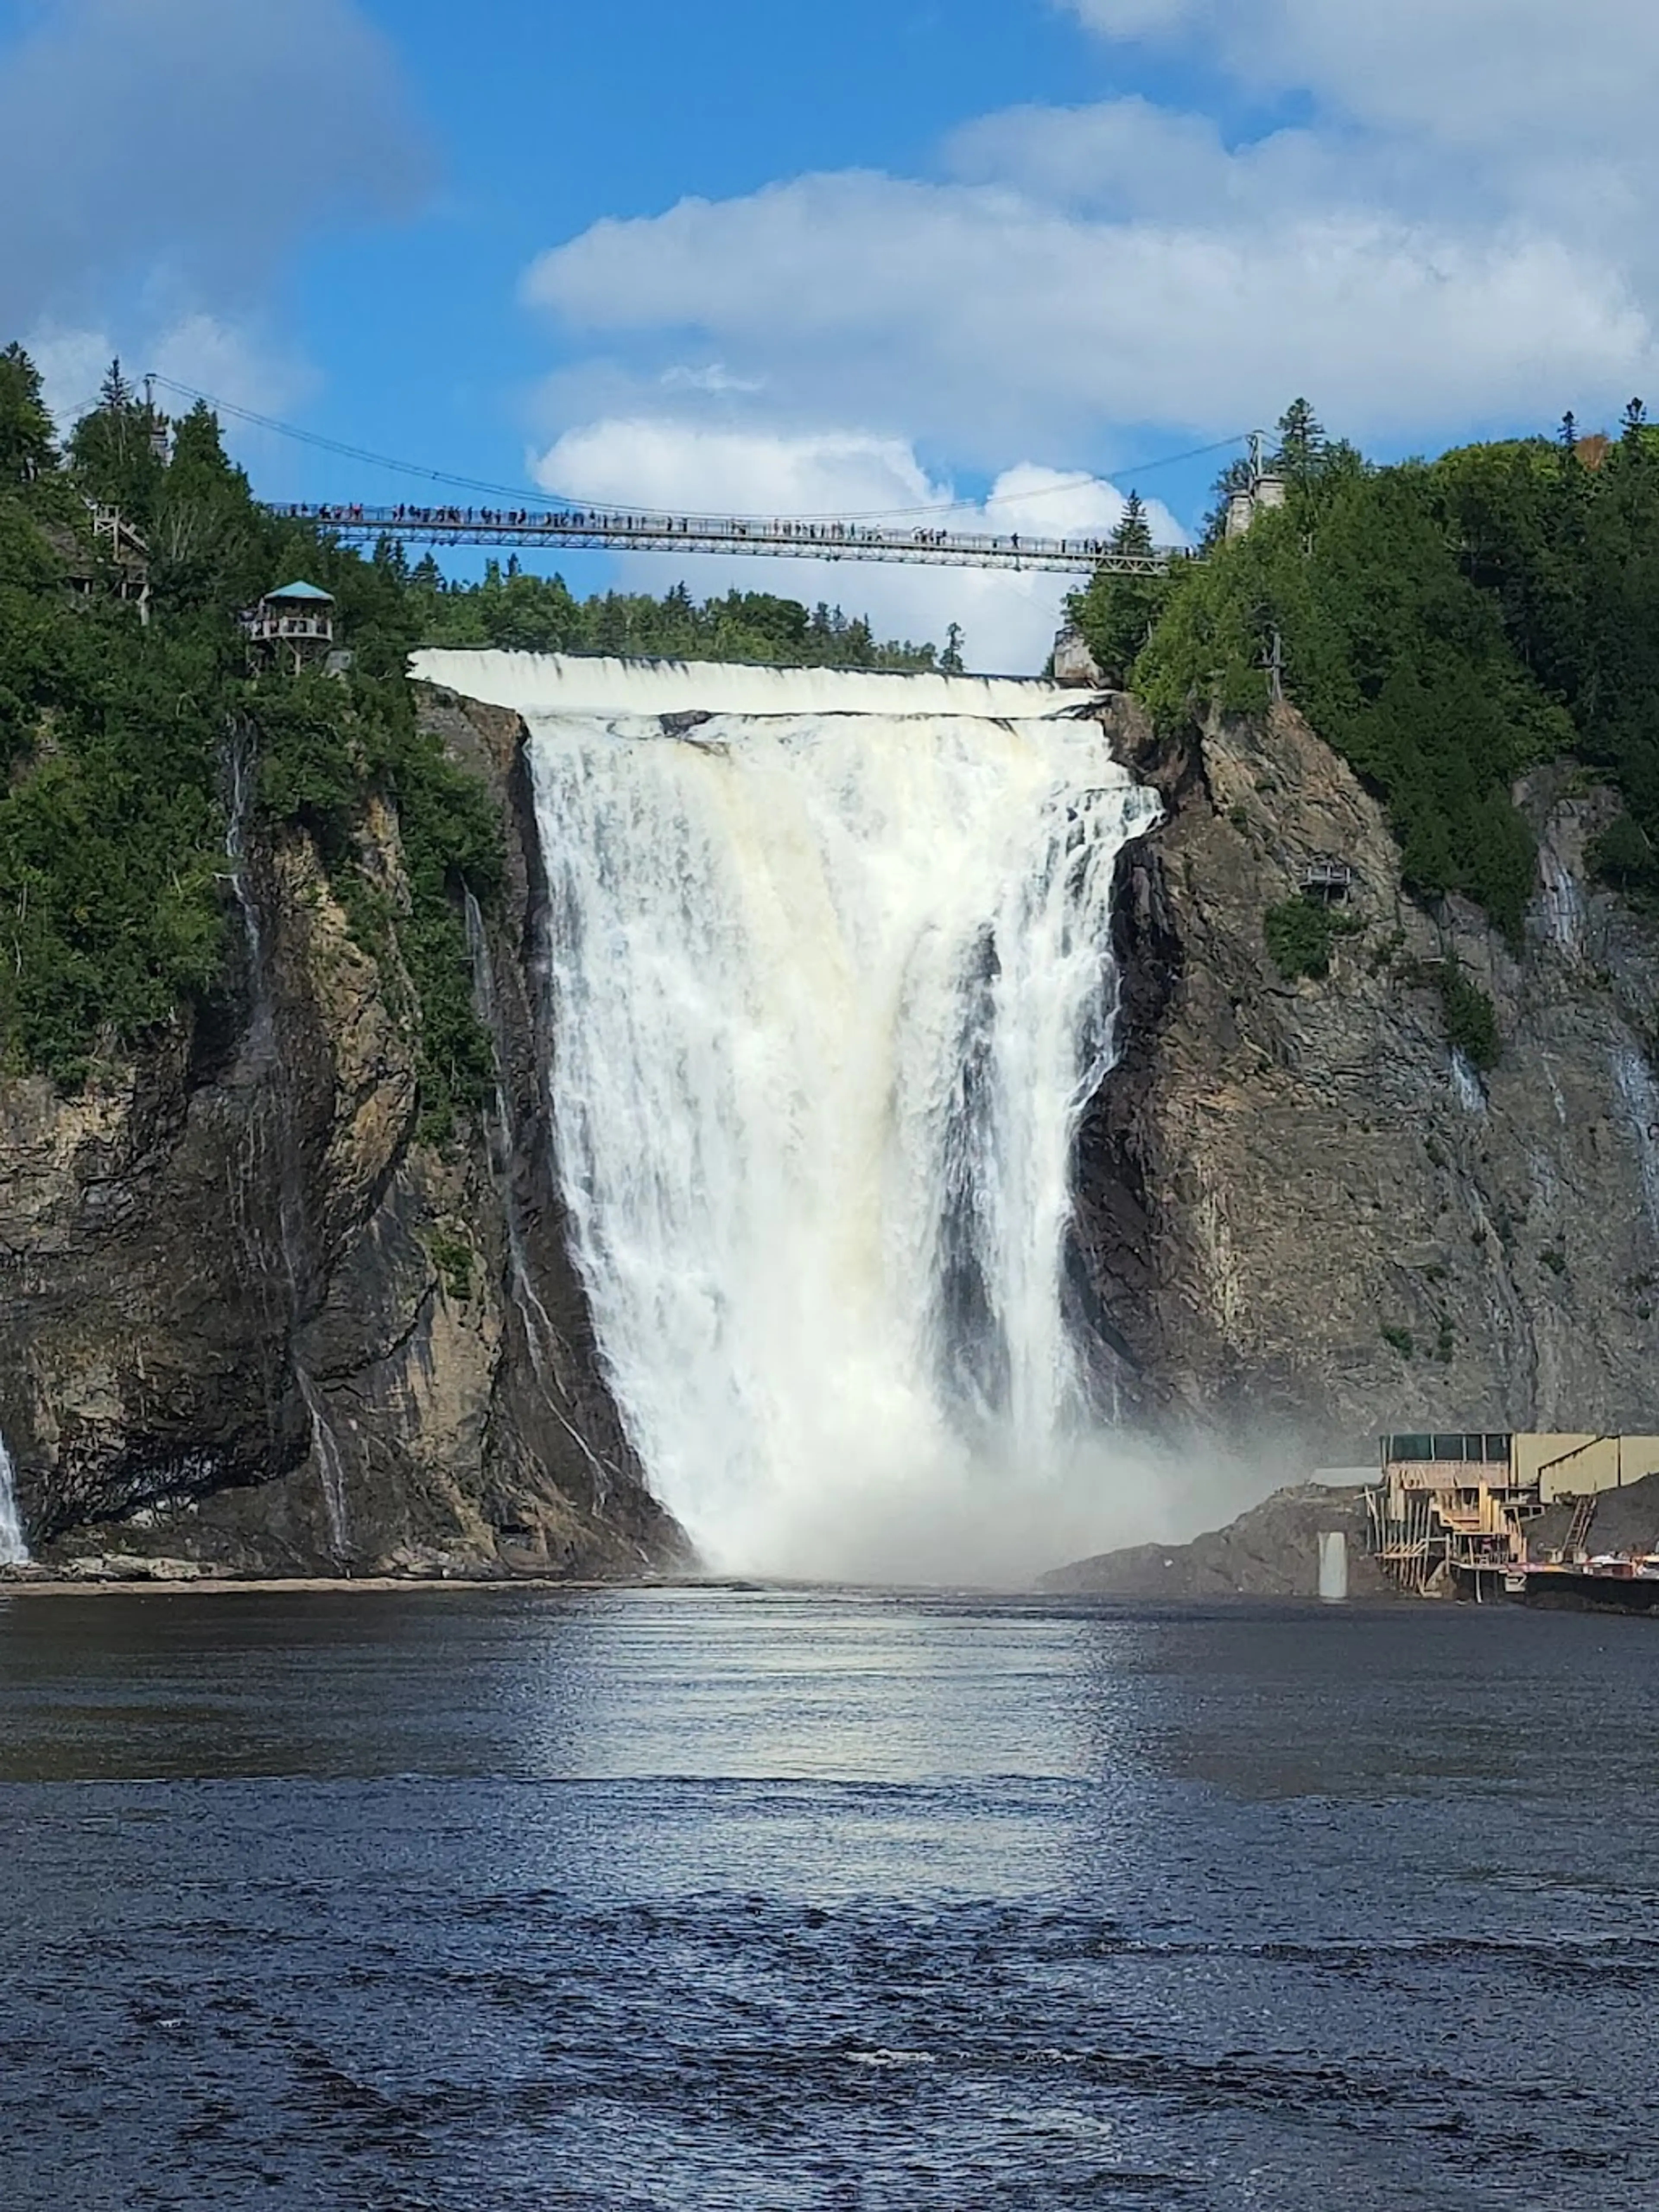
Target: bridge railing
{"type": "Point", "coordinates": [596, 528]}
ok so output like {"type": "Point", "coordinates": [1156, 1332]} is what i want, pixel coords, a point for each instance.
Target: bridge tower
{"type": "Point", "coordinates": [1266, 489]}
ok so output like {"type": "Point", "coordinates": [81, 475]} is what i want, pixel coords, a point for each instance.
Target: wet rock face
{"type": "Point", "coordinates": [247, 1320]}
{"type": "Point", "coordinates": [1301, 1217]}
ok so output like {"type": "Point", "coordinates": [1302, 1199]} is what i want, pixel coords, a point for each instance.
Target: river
{"type": "Point", "coordinates": [450, 1902]}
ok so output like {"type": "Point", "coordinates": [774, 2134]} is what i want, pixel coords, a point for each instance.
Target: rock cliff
{"type": "Point", "coordinates": [249, 1319]}
{"type": "Point", "coordinates": [1304, 1218]}
{"type": "Point", "coordinates": [1272, 1551]}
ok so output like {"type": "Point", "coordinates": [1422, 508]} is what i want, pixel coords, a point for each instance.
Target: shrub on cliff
{"type": "Point", "coordinates": [1298, 936]}
{"type": "Point", "coordinates": [1470, 1017]}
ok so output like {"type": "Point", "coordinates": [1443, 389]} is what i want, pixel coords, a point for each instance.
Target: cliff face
{"type": "Point", "coordinates": [1303, 1216]}
{"type": "Point", "coordinates": [248, 1320]}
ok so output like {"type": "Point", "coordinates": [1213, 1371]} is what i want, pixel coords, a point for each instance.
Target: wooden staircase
{"type": "Point", "coordinates": [1583, 1516]}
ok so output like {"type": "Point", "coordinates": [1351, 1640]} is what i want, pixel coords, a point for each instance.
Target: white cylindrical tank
{"type": "Point", "coordinates": [1332, 1567]}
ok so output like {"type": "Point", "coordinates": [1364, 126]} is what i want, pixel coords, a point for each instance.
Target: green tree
{"type": "Point", "coordinates": [1118, 612]}
{"type": "Point", "coordinates": [1394, 652]}
{"type": "Point", "coordinates": [114, 451]}
{"type": "Point", "coordinates": [26, 433]}
{"type": "Point", "coordinates": [1301, 448]}
{"type": "Point", "coordinates": [1298, 936]}
{"type": "Point", "coordinates": [207, 546]}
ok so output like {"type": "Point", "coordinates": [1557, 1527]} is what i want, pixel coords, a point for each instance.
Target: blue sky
{"type": "Point", "coordinates": [757, 254]}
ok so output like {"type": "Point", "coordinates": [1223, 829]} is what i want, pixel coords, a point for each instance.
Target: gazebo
{"type": "Point", "coordinates": [294, 625]}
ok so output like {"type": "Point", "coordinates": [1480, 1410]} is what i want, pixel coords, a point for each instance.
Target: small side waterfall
{"type": "Point", "coordinates": [1467, 1086]}
{"type": "Point", "coordinates": [274, 1110]}
{"type": "Point", "coordinates": [14, 1547]}
{"type": "Point", "coordinates": [833, 985]}
{"type": "Point", "coordinates": [1640, 1096]}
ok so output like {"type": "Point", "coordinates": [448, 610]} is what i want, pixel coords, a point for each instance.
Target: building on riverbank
{"type": "Point", "coordinates": [1451, 1510]}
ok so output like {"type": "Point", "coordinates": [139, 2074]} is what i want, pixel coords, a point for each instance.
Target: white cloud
{"type": "Point", "coordinates": [154, 185]}
{"type": "Point", "coordinates": [694, 469]}
{"type": "Point", "coordinates": [714, 377]}
{"type": "Point", "coordinates": [679, 467]}
{"type": "Point", "coordinates": [71, 365]}
{"type": "Point", "coordinates": [1466, 73]}
{"type": "Point", "coordinates": [986, 317]}
{"type": "Point", "coordinates": [1456, 234]}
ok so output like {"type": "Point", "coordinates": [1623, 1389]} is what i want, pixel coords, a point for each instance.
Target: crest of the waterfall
{"type": "Point", "coordinates": [833, 985]}
{"type": "Point", "coordinates": [14, 1547]}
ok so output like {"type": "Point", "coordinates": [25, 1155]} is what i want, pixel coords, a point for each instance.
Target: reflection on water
{"type": "Point", "coordinates": [692, 1900]}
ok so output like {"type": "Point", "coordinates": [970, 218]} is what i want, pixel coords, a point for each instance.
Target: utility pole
{"type": "Point", "coordinates": [1273, 660]}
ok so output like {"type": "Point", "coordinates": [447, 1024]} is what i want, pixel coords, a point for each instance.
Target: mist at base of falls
{"type": "Point", "coordinates": [832, 979]}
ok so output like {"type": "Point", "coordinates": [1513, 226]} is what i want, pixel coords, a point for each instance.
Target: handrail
{"type": "Point", "coordinates": [600, 529]}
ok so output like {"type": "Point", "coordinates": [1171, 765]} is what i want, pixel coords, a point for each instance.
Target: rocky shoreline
{"type": "Point", "coordinates": [1272, 1551]}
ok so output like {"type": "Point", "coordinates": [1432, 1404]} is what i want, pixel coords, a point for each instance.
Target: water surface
{"type": "Point", "coordinates": [447, 1903]}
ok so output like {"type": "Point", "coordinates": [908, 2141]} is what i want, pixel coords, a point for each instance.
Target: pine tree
{"type": "Point", "coordinates": [1133, 533]}
{"type": "Point", "coordinates": [1118, 612]}
{"type": "Point", "coordinates": [1301, 447]}
{"type": "Point", "coordinates": [113, 451]}
{"type": "Point", "coordinates": [203, 540]}
{"type": "Point", "coordinates": [26, 437]}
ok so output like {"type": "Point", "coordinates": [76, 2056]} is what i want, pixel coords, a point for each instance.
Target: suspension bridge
{"type": "Point", "coordinates": [589, 528]}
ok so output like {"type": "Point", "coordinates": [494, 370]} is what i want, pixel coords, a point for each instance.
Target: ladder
{"type": "Point", "coordinates": [1584, 1514]}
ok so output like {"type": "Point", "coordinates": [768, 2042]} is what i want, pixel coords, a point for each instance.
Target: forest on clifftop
{"type": "Point", "coordinates": [1445, 625]}
{"type": "Point", "coordinates": [118, 734]}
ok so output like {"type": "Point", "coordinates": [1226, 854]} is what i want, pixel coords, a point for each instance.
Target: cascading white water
{"type": "Point", "coordinates": [832, 984]}
{"type": "Point", "coordinates": [14, 1547]}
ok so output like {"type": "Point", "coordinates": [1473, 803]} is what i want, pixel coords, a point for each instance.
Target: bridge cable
{"type": "Point", "coordinates": [550, 501]}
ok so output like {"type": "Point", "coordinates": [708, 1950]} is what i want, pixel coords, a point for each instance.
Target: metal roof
{"type": "Point", "coordinates": [301, 592]}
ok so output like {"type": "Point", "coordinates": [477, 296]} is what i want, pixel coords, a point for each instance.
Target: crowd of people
{"type": "Point", "coordinates": [585, 523]}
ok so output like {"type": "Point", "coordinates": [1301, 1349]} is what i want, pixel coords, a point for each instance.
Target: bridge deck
{"type": "Point", "coordinates": [586, 529]}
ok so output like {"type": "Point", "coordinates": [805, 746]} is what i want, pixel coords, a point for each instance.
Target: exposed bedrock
{"type": "Point", "coordinates": [1302, 1216]}
{"type": "Point", "coordinates": [247, 1318]}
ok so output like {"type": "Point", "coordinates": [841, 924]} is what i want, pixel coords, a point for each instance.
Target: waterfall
{"type": "Point", "coordinates": [1639, 1096]}
{"type": "Point", "coordinates": [238, 769]}
{"type": "Point", "coordinates": [830, 958]}
{"type": "Point", "coordinates": [1467, 1086]}
{"type": "Point", "coordinates": [273, 1117]}
{"type": "Point", "coordinates": [13, 1548]}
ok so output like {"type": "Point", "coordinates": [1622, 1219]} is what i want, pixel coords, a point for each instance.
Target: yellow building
{"type": "Point", "coordinates": [1451, 1505]}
